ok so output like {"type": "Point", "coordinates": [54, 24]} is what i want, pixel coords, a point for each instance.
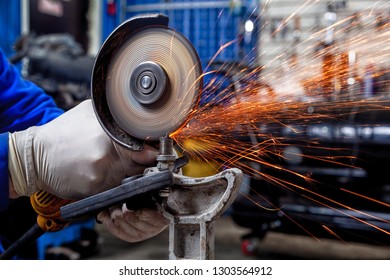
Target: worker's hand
{"type": "Point", "coordinates": [71, 157]}
{"type": "Point", "coordinates": [133, 226]}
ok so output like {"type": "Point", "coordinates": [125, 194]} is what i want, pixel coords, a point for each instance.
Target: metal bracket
{"type": "Point", "coordinates": [192, 207]}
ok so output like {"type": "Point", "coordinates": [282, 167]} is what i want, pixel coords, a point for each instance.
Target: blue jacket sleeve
{"type": "Point", "coordinates": [22, 104]}
{"type": "Point", "coordinates": [4, 171]}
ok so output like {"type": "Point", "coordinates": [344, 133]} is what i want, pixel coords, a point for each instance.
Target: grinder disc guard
{"type": "Point", "coordinates": [140, 65]}
{"type": "Point", "coordinates": [151, 81]}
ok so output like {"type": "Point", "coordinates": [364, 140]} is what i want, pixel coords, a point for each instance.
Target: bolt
{"type": "Point", "coordinates": [146, 82]}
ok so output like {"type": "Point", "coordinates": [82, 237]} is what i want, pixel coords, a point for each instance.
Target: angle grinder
{"type": "Point", "coordinates": [146, 83]}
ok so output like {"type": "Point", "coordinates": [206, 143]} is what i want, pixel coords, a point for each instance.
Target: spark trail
{"type": "Point", "coordinates": [268, 109]}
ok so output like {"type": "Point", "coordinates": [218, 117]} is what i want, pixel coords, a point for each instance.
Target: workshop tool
{"type": "Point", "coordinates": [146, 83]}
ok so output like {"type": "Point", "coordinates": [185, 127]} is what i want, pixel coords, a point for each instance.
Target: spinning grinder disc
{"type": "Point", "coordinates": [153, 83]}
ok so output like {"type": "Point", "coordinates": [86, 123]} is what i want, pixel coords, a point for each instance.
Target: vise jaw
{"type": "Point", "coordinates": [192, 207]}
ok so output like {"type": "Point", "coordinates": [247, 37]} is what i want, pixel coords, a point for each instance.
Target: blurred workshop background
{"type": "Point", "coordinates": [316, 52]}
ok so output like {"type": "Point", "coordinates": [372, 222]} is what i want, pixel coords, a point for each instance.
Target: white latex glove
{"type": "Point", "coordinates": [71, 157]}
{"type": "Point", "coordinates": [133, 226]}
